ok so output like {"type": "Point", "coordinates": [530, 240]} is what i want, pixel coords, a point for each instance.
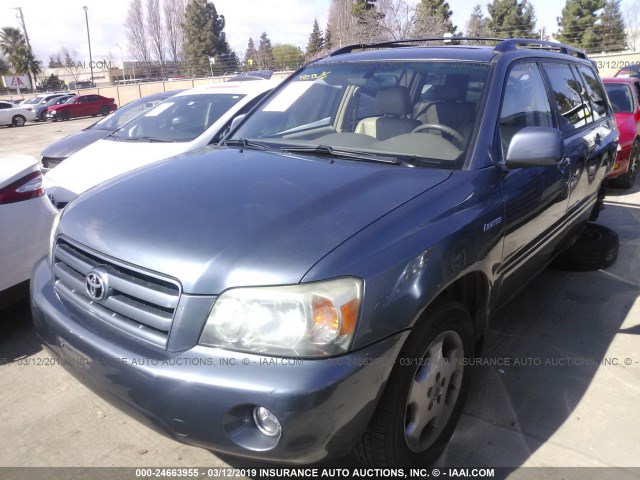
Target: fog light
{"type": "Point", "coordinates": [266, 421]}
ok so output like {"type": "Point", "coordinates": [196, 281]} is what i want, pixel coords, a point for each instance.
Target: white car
{"type": "Point", "coordinates": [26, 217]}
{"type": "Point", "coordinates": [15, 115]}
{"type": "Point", "coordinates": [187, 121]}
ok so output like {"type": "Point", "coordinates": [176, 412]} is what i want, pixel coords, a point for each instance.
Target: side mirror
{"type": "Point", "coordinates": [236, 121]}
{"type": "Point", "coordinates": [535, 147]}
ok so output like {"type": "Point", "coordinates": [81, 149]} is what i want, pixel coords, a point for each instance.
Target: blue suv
{"type": "Point", "coordinates": [321, 281]}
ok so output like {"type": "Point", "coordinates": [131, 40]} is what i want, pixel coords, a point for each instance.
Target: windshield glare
{"type": "Point", "coordinates": [424, 110]}
{"type": "Point", "coordinates": [71, 100]}
{"type": "Point", "coordinates": [178, 119]}
{"type": "Point", "coordinates": [126, 113]}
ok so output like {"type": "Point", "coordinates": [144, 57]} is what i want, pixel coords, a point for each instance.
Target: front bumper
{"type": "Point", "coordinates": [205, 396]}
{"type": "Point", "coordinates": [621, 163]}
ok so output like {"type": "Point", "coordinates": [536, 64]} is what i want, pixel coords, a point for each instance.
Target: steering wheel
{"type": "Point", "coordinates": [459, 139]}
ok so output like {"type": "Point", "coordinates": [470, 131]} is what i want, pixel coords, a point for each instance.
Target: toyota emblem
{"type": "Point", "coordinates": [96, 284]}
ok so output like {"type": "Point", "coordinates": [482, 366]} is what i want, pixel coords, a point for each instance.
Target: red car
{"type": "Point", "coordinates": [82, 106]}
{"type": "Point", "coordinates": [624, 94]}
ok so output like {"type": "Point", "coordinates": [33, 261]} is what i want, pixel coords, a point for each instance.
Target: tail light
{"type": "Point", "coordinates": [29, 186]}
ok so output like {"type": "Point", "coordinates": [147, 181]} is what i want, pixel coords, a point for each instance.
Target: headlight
{"type": "Point", "coordinates": [52, 236]}
{"type": "Point", "coordinates": [53, 112]}
{"type": "Point", "coordinates": [311, 320]}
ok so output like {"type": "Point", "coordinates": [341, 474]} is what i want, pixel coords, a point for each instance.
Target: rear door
{"type": "Point", "coordinates": [587, 128]}
{"type": "Point", "coordinates": [535, 198]}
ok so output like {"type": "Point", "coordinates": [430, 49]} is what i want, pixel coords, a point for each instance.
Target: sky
{"type": "Point", "coordinates": [52, 25]}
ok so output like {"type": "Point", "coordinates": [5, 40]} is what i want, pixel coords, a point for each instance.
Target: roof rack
{"type": "Point", "coordinates": [408, 42]}
{"type": "Point", "coordinates": [510, 44]}
{"type": "Point", "coordinates": [504, 44]}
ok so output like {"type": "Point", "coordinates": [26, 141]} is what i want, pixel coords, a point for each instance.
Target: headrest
{"type": "Point", "coordinates": [393, 101]}
{"type": "Point", "coordinates": [446, 93]}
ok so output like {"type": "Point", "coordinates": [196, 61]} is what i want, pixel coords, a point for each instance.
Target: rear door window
{"type": "Point", "coordinates": [573, 109]}
{"type": "Point", "coordinates": [595, 95]}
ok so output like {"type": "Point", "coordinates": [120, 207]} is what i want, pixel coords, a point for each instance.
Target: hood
{"type": "Point", "coordinates": [101, 161]}
{"type": "Point", "coordinates": [72, 143]}
{"type": "Point", "coordinates": [57, 107]}
{"type": "Point", "coordinates": [230, 218]}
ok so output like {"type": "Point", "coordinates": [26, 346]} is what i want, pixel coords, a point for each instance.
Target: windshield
{"type": "Point", "coordinates": [55, 101]}
{"type": "Point", "coordinates": [620, 97]}
{"type": "Point", "coordinates": [407, 110]}
{"type": "Point", "coordinates": [124, 114]}
{"type": "Point", "coordinates": [71, 100]}
{"type": "Point", "coordinates": [178, 119]}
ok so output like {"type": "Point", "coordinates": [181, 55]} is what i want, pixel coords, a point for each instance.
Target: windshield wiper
{"type": "Point", "coordinates": [337, 152]}
{"type": "Point", "coordinates": [244, 143]}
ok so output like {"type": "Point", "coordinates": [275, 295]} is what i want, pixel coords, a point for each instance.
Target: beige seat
{"type": "Point", "coordinates": [394, 105]}
{"type": "Point", "coordinates": [449, 110]}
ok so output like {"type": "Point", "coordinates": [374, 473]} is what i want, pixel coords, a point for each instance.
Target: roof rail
{"type": "Point", "coordinates": [511, 44]}
{"type": "Point", "coordinates": [504, 44]}
{"type": "Point", "coordinates": [404, 43]}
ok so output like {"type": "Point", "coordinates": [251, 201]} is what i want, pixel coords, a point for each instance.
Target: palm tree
{"type": "Point", "coordinates": [14, 46]}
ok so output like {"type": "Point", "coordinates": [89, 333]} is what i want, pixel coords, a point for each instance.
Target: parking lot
{"type": "Point", "coordinates": [558, 384]}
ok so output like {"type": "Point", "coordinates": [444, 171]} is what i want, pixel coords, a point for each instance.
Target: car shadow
{"type": "Point", "coordinates": [541, 355]}
{"type": "Point", "coordinates": [18, 338]}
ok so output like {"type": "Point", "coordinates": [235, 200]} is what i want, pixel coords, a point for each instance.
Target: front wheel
{"type": "Point", "coordinates": [424, 396]}
{"type": "Point", "coordinates": [64, 116]}
{"type": "Point", "coordinates": [18, 121]}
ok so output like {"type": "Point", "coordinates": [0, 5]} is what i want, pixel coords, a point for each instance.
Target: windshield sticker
{"type": "Point", "coordinates": [159, 109]}
{"type": "Point", "coordinates": [287, 96]}
{"type": "Point", "coordinates": [314, 76]}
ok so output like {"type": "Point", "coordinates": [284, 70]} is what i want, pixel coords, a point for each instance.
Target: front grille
{"type": "Point", "coordinates": [137, 302]}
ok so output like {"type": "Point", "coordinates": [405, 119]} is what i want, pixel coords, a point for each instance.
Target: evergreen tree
{"type": "Point", "coordinates": [328, 43]}
{"type": "Point", "coordinates": [611, 28]}
{"type": "Point", "coordinates": [251, 55]}
{"type": "Point", "coordinates": [203, 36]}
{"type": "Point", "coordinates": [477, 26]}
{"type": "Point", "coordinates": [265, 52]}
{"type": "Point", "coordinates": [578, 23]}
{"type": "Point", "coordinates": [440, 10]}
{"type": "Point", "coordinates": [316, 40]}
{"type": "Point", "coordinates": [511, 18]}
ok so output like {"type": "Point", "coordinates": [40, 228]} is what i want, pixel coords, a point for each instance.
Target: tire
{"type": "Point", "coordinates": [104, 111]}
{"type": "Point", "coordinates": [422, 400]}
{"type": "Point", "coordinates": [628, 179]}
{"type": "Point", "coordinates": [18, 121]}
{"type": "Point", "coordinates": [65, 116]}
{"type": "Point", "coordinates": [596, 248]}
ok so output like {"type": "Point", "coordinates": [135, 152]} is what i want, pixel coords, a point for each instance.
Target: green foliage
{"type": "Point", "coordinates": [577, 23]}
{"type": "Point", "coordinates": [52, 83]}
{"type": "Point", "coordinates": [612, 28]}
{"type": "Point", "coordinates": [265, 53]}
{"type": "Point", "coordinates": [478, 24]}
{"type": "Point", "coordinates": [440, 10]}
{"type": "Point", "coordinates": [19, 56]}
{"type": "Point", "coordinates": [287, 56]}
{"type": "Point", "coordinates": [328, 41]}
{"type": "Point", "coordinates": [204, 38]}
{"type": "Point", "coordinates": [316, 40]}
{"type": "Point", "coordinates": [251, 56]}
{"type": "Point", "coordinates": [511, 18]}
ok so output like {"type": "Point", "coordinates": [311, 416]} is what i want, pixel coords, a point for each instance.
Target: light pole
{"type": "Point", "coordinates": [86, 18]}
{"type": "Point", "coordinates": [124, 77]}
{"type": "Point", "coordinates": [24, 28]}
